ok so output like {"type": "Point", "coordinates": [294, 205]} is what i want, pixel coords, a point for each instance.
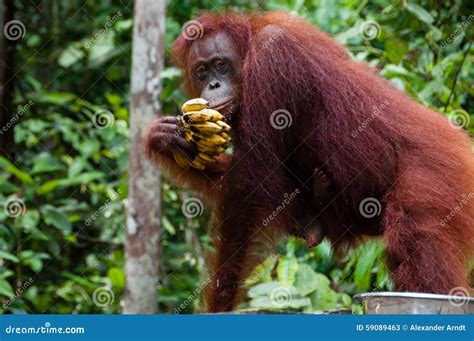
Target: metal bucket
{"type": "Point", "coordinates": [414, 303]}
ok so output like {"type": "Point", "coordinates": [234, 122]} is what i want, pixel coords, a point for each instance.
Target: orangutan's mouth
{"type": "Point", "coordinates": [222, 105]}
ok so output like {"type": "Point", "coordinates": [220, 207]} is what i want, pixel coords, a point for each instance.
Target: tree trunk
{"type": "Point", "coordinates": [142, 247]}
{"type": "Point", "coordinates": [6, 81]}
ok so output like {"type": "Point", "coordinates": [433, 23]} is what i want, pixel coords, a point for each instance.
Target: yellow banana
{"type": "Point", "coordinates": [188, 136]}
{"type": "Point", "coordinates": [206, 128]}
{"type": "Point", "coordinates": [212, 140]}
{"type": "Point", "coordinates": [202, 116]}
{"type": "Point", "coordinates": [195, 104]}
{"type": "Point", "coordinates": [198, 164]}
{"type": "Point", "coordinates": [224, 125]}
{"type": "Point", "coordinates": [206, 158]}
{"type": "Point", "coordinates": [225, 136]}
{"type": "Point", "coordinates": [180, 159]}
{"type": "Point", "coordinates": [213, 150]}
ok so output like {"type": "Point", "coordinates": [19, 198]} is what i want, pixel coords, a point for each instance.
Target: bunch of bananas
{"type": "Point", "coordinates": [203, 127]}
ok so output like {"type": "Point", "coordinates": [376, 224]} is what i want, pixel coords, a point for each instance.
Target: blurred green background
{"type": "Point", "coordinates": [64, 168]}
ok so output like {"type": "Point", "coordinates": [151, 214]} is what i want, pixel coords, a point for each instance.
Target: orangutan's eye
{"type": "Point", "coordinates": [201, 72]}
{"type": "Point", "coordinates": [219, 64]}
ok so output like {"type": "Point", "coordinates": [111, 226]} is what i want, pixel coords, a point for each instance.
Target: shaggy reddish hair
{"type": "Point", "coordinates": [374, 142]}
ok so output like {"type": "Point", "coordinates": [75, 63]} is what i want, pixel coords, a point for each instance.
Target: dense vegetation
{"type": "Point", "coordinates": [62, 250]}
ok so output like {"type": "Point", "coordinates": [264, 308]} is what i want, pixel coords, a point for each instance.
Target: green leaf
{"type": "Point", "coordinates": [45, 163]}
{"type": "Point", "coordinates": [170, 73]}
{"type": "Point", "coordinates": [77, 180]}
{"type": "Point", "coordinates": [9, 256]}
{"type": "Point", "coordinates": [369, 253]}
{"type": "Point", "coordinates": [102, 48]}
{"type": "Point", "coordinates": [53, 216]}
{"type": "Point", "coordinates": [297, 303]}
{"type": "Point", "coordinates": [124, 25]}
{"type": "Point", "coordinates": [396, 50]}
{"type": "Point", "coordinates": [117, 277]}
{"type": "Point", "coordinates": [12, 169]}
{"type": "Point", "coordinates": [168, 226]}
{"type": "Point", "coordinates": [263, 271]}
{"type": "Point", "coordinates": [263, 302]}
{"type": "Point", "coordinates": [49, 186]}
{"type": "Point", "coordinates": [89, 147]}
{"type": "Point", "coordinates": [6, 187]}
{"type": "Point", "coordinates": [289, 302]}
{"type": "Point", "coordinates": [420, 13]}
{"type": "Point", "coordinates": [343, 37]}
{"type": "Point", "coordinates": [30, 220]}
{"type": "Point", "coordinates": [324, 298]}
{"type": "Point", "coordinates": [265, 289]}
{"type": "Point", "coordinates": [71, 55]}
{"type": "Point", "coordinates": [33, 259]}
{"type": "Point", "coordinates": [305, 280]}
{"type": "Point", "coordinates": [58, 98]}
{"type": "Point", "coordinates": [5, 288]}
{"type": "Point", "coordinates": [346, 300]}
{"type": "Point", "coordinates": [286, 271]}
